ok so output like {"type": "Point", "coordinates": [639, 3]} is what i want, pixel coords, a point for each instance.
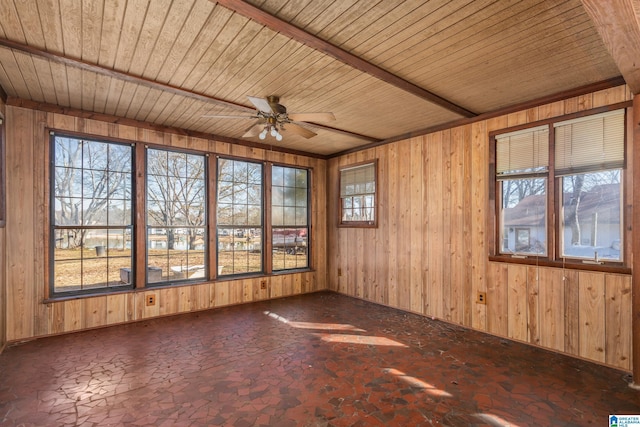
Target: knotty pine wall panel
{"type": "Point", "coordinates": [25, 313]}
{"type": "Point", "coordinates": [3, 276]}
{"type": "Point", "coordinates": [430, 249]}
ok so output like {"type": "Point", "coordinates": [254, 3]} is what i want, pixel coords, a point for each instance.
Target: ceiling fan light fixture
{"type": "Point", "coordinates": [274, 131]}
{"type": "Point", "coordinates": [263, 134]}
{"type": "Point", "coordinates": [278, 137]}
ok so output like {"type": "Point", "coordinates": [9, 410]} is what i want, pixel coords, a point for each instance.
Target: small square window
{"type": "Point", "coordinates": [358, 195]}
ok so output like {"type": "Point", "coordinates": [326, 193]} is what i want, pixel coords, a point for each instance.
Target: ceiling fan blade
{"type": "Point", "coordinates": [312, 117]}
{"type": "Point", "coordinates": [261, 104]}
{"type": "Point", "coordinates": [299, 130]}
{"type": "Point", "coordinates": [222, 116]}
{"type": "Point", "coordinates": [253, 130]}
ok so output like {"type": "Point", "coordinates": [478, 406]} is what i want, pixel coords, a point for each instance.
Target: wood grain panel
{"type": "Point", "coordinates": [382, 238]}
{"type": "Point", "coordinates": [618, 318]}
{"type": "Point", "coordinates": [21, 295]}
{"type": "Point", "coordinates": [3, 277]}
{"type": "Point", "coordinates": [551, 306]}
{"type": "Point", "coordinates": [533, 305]}
{"type": "Point", "coordinates": [572, 312]}
{"type": "Point", "coordinates": [3, 282]}
{"type": "Point", "coordinates": [497, 299]}
{"type": "Point", "coordinates": [394, 238]}
{"type": "Point", "coordinates": [433, 204]}
{"type": "Point", "coordinates": [446, 226]}
{"type": "Point", "coordinates": [415, 219]}
{"type": "Point", "coordinates": [517, 302]}
{"type": "Point", "coordinates": [592, 316]}
{"type": "Point", "coordinates": [116, 309]}
{"type": "Point", "coordinates": [479, 153]}
{"type": "Point", "coordinates": [403, 248]}
{"type": "Point", "coordinates": [457, 262]}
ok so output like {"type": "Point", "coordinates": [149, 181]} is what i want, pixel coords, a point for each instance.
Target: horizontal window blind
{"type": "Point", "coordinates": [589, 144]}
{"type": "Point", "coordinates": [358, 180]}
{"type": "Point", "coordinates": [523, 152]}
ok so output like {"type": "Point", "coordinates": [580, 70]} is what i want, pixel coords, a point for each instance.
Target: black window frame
{"type": "Point", "coordinates": [235, 229]}
{"type": "Point", "coordinates": [186, 275]}
{"type": "Point", "coordinates": [52, 292]}
{"type": "Point", "coordinates": [298, 246]}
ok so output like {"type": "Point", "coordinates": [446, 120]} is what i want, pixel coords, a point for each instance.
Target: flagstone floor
{"type": "Point", "coordinates": [314, 360]}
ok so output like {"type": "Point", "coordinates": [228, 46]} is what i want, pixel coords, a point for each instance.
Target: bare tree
{"type": "Point", "coordinates": [176, 193]}
{"type": "Point", "coordinates": [239, 193]}
{"type": "Point", "coordinates": [574, 183]}
{"type": "Point", "coordinates": [575, 188]}
{"type": "Point", "coordinates": [89, 176]}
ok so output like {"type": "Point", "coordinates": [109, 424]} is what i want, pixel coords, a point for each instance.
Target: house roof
{"type": "Point", "coordinates": [530, 211]}
{"type": "Point", "coordinates": [386, 69]}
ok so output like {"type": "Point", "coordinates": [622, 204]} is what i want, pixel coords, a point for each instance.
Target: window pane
{"type": "Point", "coordinates": [290, 248]}
{"type": "Point", "coordinates": [523, 216]}
{"type": "Point", "coordinates": [277, 176]}
{"type": "Point", "coordinates": [277, 194]}
{"type": "Point", "coordinates": [68, 152]}
{"type": "Point", "coordinates": [290, 203]}
{"type": "Point", "coordinates": [95, 156]}
{"type": "Point", "coordinates": [592, 216]}
{"type": "Point", "coordinates": [176, 216]}
{"type": "Point", "coordinates": [357, 191]}
{"type": "Point", "coordinates": [68, 182]}
{"type": "Point", "coordinates": [92, 187]}
{"type": "Point", "coordinates": [239, 250]}
{"type": "Point", "coordinates": [239, 217]}
{"type": "Point", "coordinates": [277, 216]}
{"type": "Point", "coordinates": [119, 158]}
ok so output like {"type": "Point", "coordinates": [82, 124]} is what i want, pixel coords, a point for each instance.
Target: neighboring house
{"type": "Point", "coordinates": [598, 220]}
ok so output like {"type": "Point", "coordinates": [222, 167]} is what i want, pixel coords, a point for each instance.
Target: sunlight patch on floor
{"type": "Point", "coordinates": [418, 383]}
{"type": "Point", "coordinates": [314, 325]}
{"type": "Point", "coordinates": [359, 339]}
{"type": "Point", "coordinates": [495, 420]}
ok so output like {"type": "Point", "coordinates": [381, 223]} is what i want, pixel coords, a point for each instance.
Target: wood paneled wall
{"type": "Point", "coordinates": [429, 253]}
{"type": "Point", "coordinates": [3, 277]}
{"type": "Point", "coordinates": [27, 316]}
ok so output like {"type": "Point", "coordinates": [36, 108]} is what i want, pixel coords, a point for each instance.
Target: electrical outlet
{"type": "Point", "coordinates": [339, 272]}
{"type": "Point", "coordinates": [263, 284]}
{"type": "Point", "coordinates": [151, 300]}
{"type": "Point", "coordinates": [482, 298]}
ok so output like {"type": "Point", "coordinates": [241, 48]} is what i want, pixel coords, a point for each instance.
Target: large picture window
{"type": "Point", "coordinates": [239, 217]}
{"type": "Point", "coordinates": [253, 215]}
{"type": "Point", "coordinates": [91, 215]}
{"type": "Point", "coordinates": [582, 211]}
{"type": "Point", "coordinates": [289, 218]}
{"type": "Point", "coordinates": [176, 216]}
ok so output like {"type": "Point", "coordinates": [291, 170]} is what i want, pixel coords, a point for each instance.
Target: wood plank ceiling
{"type": "Point", "coordinates": [374, 64]}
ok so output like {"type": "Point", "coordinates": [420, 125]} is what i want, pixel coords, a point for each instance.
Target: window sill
{"type": "Point", "coordinates": [181, 283]}
{"type": "Point", "coordinates": [368, 224]}
{"type": "Point", "coordinates": [605, 267]}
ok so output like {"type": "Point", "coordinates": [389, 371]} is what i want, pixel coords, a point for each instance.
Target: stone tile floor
{"type": "Point", "coordinates": [313, 360]}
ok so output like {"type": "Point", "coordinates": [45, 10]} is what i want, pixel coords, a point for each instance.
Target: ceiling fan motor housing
{"type": "Point", "coordinates": [274, 102]}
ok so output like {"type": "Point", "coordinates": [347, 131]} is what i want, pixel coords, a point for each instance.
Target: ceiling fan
{"type": "Point", "coordinates": [272, 118]}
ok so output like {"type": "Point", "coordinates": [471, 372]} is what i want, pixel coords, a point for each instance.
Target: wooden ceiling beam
{"type": "Point", "coordinates": [258, 15]}
{"type": "Point", "coordinates": [108, 118]}
{"type": "Point", "coordinates": [98, 69]}
{"type": "Point", "coordinates": [617, 22]}
{"type": "Point", "coordinates": [104, 71]}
